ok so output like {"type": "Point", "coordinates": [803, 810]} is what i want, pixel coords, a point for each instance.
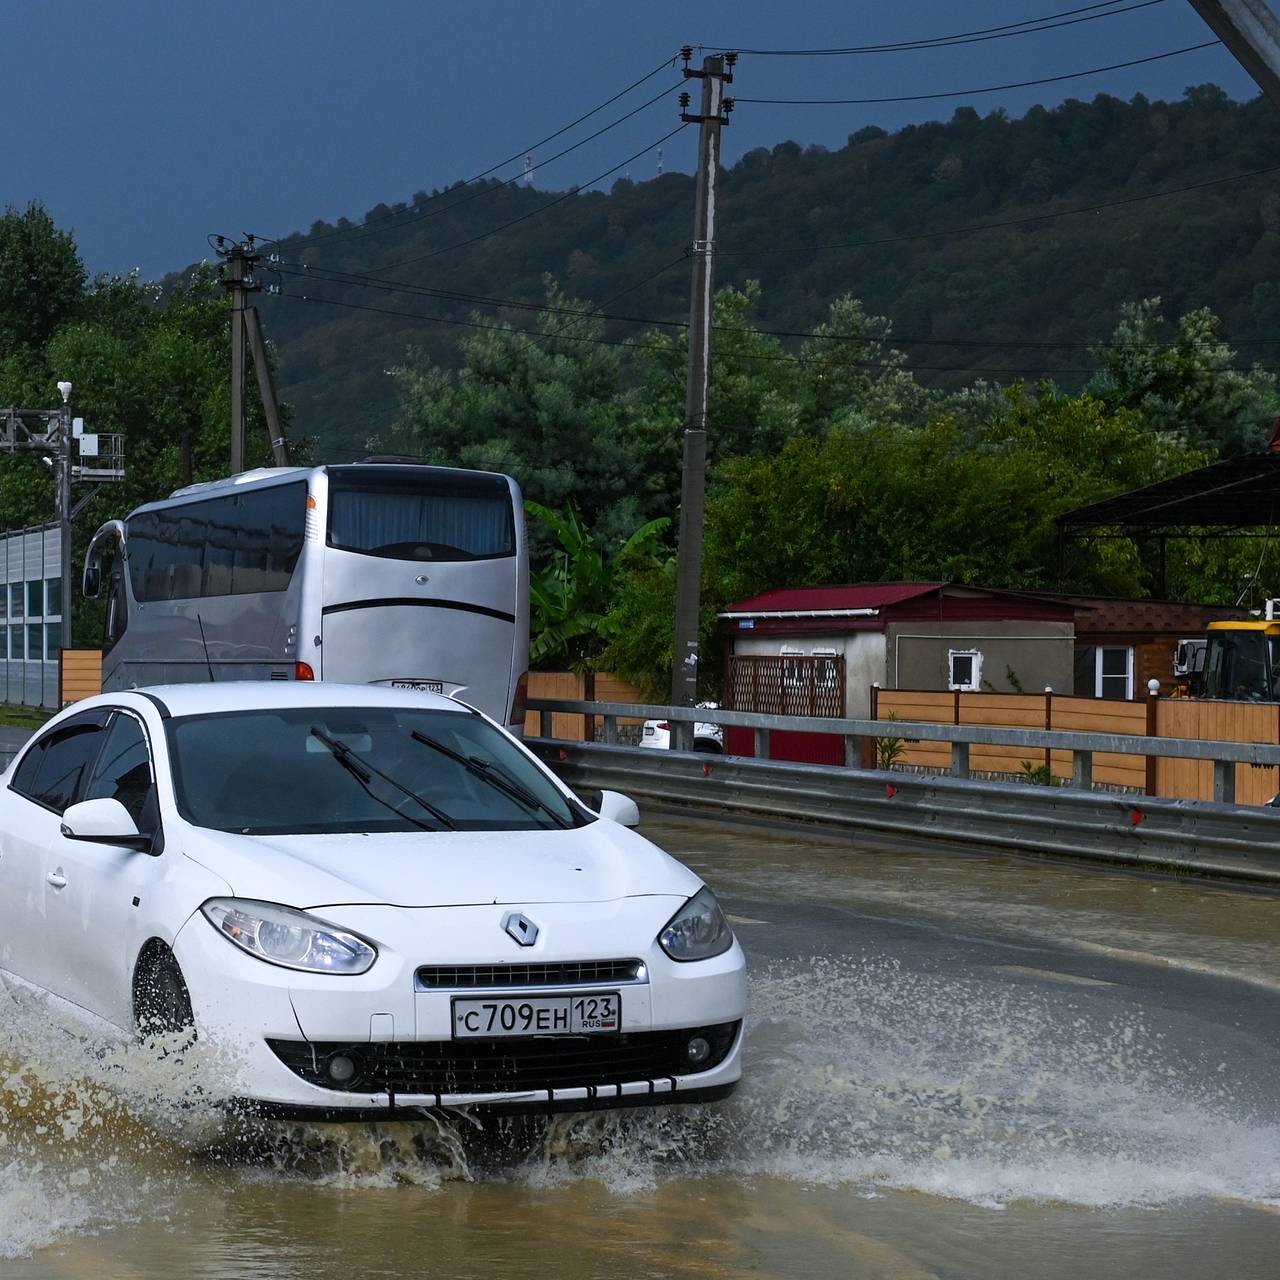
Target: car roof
{"type": "Point", "coordinates": [206, 698]}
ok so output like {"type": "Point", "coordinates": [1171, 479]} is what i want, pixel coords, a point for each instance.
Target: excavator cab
{"type": "Point", "coordinates": [1242, 661]}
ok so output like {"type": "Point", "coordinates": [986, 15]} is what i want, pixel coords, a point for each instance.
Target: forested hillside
{"type": "Point", "coordinates": [1021, 300]}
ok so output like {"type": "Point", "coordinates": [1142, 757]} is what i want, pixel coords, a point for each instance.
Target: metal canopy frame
{"type": "Point", "coordinates": [1221, 500]}
{"type": "Point", "coordinates": [1236, 493]}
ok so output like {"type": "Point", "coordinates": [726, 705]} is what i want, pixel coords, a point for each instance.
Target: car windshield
{"type": "Point", "coordinates": [317, 770]}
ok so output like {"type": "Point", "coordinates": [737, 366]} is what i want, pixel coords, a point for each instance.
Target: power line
{"type": "Point", "coordinates": [639, 284]}
{"type": "Point", "coordinates": [477, 192]}
{"type": "Point", "coordinates": [969, 93]}
{"type": "Point", "coordinates": [1005, 222]}
{"type": "Point", "coordinates": [533, 213]}
{"type": "Point", "coordinates": [1029, 26]}
{"type": "Point", "coordinates": [324, 275]}
{"type": "Point", "coordinates": [484, 173]}
{"type": "Point", "coordinates": [782, 356]}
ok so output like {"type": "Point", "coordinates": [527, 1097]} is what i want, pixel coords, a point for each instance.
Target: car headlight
{"type": "Point", "coordinates": [698, 930]}
{"type": "Point", "coordinates": [293, 939]}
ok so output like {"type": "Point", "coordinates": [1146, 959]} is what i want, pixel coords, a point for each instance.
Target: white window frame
{"type": "Point", "coordinates": [791, 678]}
{"type": "Point", "coordinates": [1097, 669]}
{"type": "Point", "coordinates": [974, 683]}
{"type": "Point", "coordinates": [827, 678]}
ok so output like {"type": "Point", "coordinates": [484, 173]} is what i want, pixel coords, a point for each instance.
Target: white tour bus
{"type": "Point", "coordinates": [377, 573]}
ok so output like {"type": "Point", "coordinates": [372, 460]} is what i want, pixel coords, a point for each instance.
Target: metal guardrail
{"type": "Point", "coordinates": [1214, 838]}
{"type": "Point", "coordinates": [1187, 836]}
{"type": "Point", "coordinates": [1083, 746]}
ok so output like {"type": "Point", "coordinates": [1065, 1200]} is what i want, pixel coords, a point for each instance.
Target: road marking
{"type": "Point", "coordinates": [744, 920]}
{"type": "Point", "coordinates": [1174, 962]}
{"type": "Point", "coordinates": [1052, 975]}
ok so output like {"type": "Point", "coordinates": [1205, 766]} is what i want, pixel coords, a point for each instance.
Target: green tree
{"type": "Point", "coordinates": [547, 412]}
{"type": "Point", "coordinates": [1186, 385]}
{"type": "Point", "coordinates": [956, 500]}
{"type": "Point", "coordinates": [570, 598]}
{"type": "Point", "coordinates": [41, 279]}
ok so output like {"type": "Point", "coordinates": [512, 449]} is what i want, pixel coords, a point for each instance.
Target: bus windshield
{"type": "Point", "coordinates": [404, 514]}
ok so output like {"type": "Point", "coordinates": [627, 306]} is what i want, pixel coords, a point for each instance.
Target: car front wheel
{"type": "Point", "coordinates": [161, 1002]}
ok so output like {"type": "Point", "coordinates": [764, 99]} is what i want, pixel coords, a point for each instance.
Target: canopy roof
{"type": "Point", "coordinates": [1237, 493]}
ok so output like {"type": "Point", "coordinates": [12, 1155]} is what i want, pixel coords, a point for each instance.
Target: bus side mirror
{"type": "Point", "coordinates": [92, 580]}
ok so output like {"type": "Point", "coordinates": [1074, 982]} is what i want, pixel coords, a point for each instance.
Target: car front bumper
{"type": "Point", "coordinates": [244, 1006]}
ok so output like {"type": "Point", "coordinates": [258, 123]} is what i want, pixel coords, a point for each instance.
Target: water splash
{"type": "Point", "coordinates": [857, 1073]}
{"type": "Point", "coordinates": [91, 1127]}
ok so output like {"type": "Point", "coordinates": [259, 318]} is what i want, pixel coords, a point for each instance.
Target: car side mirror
{"type": "Point", "coordinates": [103, 821]}
{"type": "Point", "coordinates": [619, 808]}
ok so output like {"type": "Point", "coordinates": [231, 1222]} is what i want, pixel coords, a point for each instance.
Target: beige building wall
{"type": "Point", "coordinates": [1016, 656]}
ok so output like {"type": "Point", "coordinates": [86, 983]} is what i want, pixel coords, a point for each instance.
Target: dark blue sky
{"type": "Point", "coordinates": [144, 125]}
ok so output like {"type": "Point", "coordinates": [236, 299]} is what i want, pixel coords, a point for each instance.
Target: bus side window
{"type": "Point", "coordinates": [117, 617]}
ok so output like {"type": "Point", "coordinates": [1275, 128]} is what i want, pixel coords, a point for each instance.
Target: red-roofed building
{"type": "Point", "coordinates": [818, 650]}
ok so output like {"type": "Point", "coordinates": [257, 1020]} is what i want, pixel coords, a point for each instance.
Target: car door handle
{"type": "Point", "coordinates": [57, 879]}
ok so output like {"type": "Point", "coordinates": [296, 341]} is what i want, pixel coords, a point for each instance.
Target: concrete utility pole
{"type": "Point", "coordinates": [239, 282]}
{"type": "Point", "coordinates": [717, 71]}
{"type": "Point", "coordinates": [235, 283]}
{"type": "Point", "coordinates": [62, 467]}
{"type": "Point", "coordinates": [1251, 32]}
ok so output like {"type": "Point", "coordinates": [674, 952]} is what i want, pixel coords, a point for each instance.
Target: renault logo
{"type": "Point", "coordinates": [521, 928]}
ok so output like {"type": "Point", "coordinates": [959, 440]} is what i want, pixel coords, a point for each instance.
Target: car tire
{"type": "Point", "coordinates": [709, 746]}
{"type": "Point", "coordinates": [161, 1001]}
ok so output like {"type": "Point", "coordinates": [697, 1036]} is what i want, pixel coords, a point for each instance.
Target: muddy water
{"type": "Point", "coordinates": [893, 1124]}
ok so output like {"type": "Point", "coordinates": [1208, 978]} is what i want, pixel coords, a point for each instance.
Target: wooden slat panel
{"type": "Point", "coordinates": [80, 674]}
{"type": "Point", "coordinates": [611, 688]}
{"type": "Point", "coordinates": [555, 684]}
{"type": "Point", "coordinates": [1217, 722]}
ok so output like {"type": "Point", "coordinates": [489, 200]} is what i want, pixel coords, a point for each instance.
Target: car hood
{"type": "Point", "coordinates": [596, 863]}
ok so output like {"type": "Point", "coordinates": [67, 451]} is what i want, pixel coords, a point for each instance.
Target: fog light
{"type": "Point", "coordinates": [698, 1050]}
{"type": "Point", "coordinates": [341, 1068]}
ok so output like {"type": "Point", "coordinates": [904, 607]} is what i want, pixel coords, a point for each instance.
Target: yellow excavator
{"type": "Point", "coordinates": [1241, 660]}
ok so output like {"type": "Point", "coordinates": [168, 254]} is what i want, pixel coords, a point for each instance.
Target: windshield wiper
{"type": "Point", "coordinates": [363, 771]}
{"type": "Point", "coordinates": [493, 774]}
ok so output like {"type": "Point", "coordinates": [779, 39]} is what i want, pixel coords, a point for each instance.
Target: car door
{"type": "Point", "coordinates": [45, 781]}
{"type": "Point", "coordinates": [91, 918]}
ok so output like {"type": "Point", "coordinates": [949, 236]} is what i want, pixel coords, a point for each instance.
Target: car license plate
{"type": "Point", "coordinates": [587, 1014]}
{"type": "Point", "coordinates": [419, 686]}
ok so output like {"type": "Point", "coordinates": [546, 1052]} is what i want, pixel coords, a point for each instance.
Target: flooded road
{"type": "Point", "coordinates": [957, 1067]}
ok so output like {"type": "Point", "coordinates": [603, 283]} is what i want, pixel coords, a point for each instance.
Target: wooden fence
{"type": "Point", "coordinates": [79, 674]}
{"type": "Point", "coordinates": [1160, 717]}
{"type": "Point", "coordinates": [596, 686]}
{"type": "Point", "coordinates": [786, 685]}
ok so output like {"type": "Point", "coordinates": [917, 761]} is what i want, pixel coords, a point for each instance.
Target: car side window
{"type": "Point", "coordinates": [53, 771]}
{"type": "Point", "coordinates": [123, 772]}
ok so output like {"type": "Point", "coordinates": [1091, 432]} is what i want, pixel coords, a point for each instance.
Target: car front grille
{"type": "Point", "coordinates": [513, 1065]}
{"type": "Point", "coordinates": [433, 977]}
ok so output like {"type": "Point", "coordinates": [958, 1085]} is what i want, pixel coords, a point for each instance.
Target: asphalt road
{"type": "Point", "coordinates": [966, 1067]}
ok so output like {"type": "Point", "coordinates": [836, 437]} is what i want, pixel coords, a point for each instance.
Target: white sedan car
{"type": "Point", "coordinates": [368, 901]}
{"type": "Point", "coordinates": [707, 737]}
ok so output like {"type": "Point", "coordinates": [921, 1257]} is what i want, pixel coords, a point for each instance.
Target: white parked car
{"type": "Point", "coordinates": [371, 900]}
{"type": "Point", "coordinates": [706, 736]}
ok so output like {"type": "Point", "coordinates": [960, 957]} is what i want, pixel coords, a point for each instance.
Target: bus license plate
{"type": "Point", "coordinates": [419, 686]}
{"type": "Point", "coordinates": [538, 1015]}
